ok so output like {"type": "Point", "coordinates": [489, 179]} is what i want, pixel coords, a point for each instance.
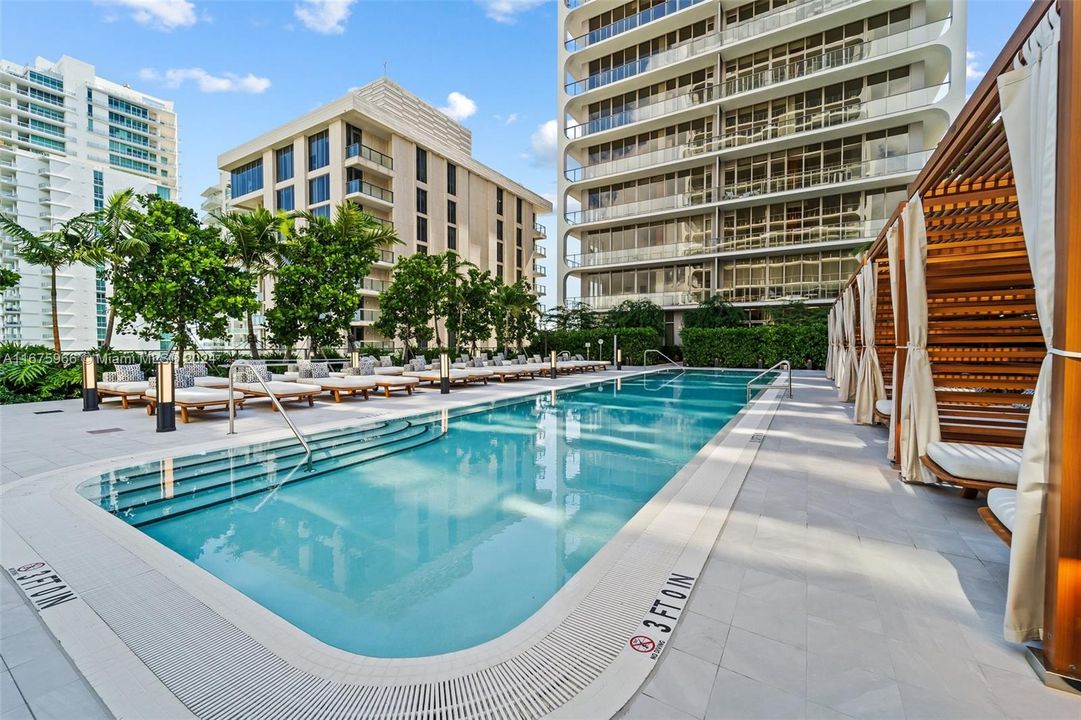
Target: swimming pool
{"type": "Point", "coordinates": [423, 536]}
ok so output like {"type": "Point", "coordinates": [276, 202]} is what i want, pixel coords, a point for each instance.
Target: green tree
{"type": "Point", "coordinates": [796, 312]}
{"type": "Point", "coordinates": [636, 313]}
{"type": "Point", "coordinates": [714, 312]}
{"type": "Point", "coordinates": [117, 230]}
{"type": "Point", "coordinates": [449, 305]}
{"type": "Point", "coordinates": [184, 284]}
{"type": "Point", "coordinates": [68, 243]}
{"type": "Point", "coordinates": [477, 298]}
{"type": "Point", "coordinates": [515, 313]}
{"type": "Point", "coordinates": [8, 279]}
{"type": "Point", "coordinates": [407, 307]}
{"type": "Point", "coordinates": [576, 316]}
{"type": "Point", "coordinates": [323, 263]}
{"type": "Point", "coordinates": [255, 244]}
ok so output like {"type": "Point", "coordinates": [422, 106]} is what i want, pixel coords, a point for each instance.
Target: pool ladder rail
{"type": "Point", "coordinates": [783, 364]}
{"type": "Point", "coordinates": [277, 404]}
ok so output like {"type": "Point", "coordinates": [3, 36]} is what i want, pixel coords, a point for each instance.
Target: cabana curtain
{"type": "Point", "coordinates": [919, 409]}
{"type": "Point", "coordinates": [831, 334]}
{"type": "Point", "coordinates": [1028, 97]}
{"type": "Point", "coordinates": [869, 384]}
{"type": "Point", "coordinates": [893, 251]}
{"type": "Point", "coordinates": [846, 378]}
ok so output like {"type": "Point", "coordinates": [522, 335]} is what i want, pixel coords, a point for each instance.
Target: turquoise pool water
{"type": "Point", "coordinates": [422, 537]}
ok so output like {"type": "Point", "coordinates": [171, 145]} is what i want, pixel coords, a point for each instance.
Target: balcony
{"type": "Point", "coordinates": [642, 207]}
{"type": "Point", "coordinates": [352, 187]}
{"type": "Point", "coordinates": [540, 289]}
{"type": "Point", "coordinates": [628, 23]}
{"type": "Point", "coordinates": [539, 230]}
{"type": "Point", "coordinates": [539, 270]}
{"type": "Point", "coordinates": [386, 257]}
{"type": "Point", "coordinates": [539, 250]}
{"type": "Point", "coordinates": [674, 54]}
{"type": "Point", "coordinates": [370, 154]}
{"type": "Point", "coordinates": [370, 286]}
{"type": "Point", "coordinates": [665, 103]}
{"type": "Point", "coordinates": [644, 160]}
{"type": "Point", "coordinates": [823, 289]}
{"type": "Point", "coordinates": [364, 317]}
{"type": "Point", "coordinates": [672, 298]}
{"type": "Point", "coordinates": [778, 18]}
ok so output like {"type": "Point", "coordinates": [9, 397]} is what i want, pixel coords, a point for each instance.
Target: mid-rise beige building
{"type": "Point", "coordinates": [404, 162]}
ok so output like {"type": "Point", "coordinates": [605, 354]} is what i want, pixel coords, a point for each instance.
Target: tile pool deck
{"type": "Point", "coordinates": [834, 591]}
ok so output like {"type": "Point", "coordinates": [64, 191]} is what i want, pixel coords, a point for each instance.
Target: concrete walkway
{"type": "Point", "coordinates": [836, 591]}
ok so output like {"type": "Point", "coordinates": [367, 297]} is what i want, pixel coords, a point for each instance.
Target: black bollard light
{"type": "Point", "coordinates": [90, 383]}
{"type": "Point", "coordinates": [444, 373]}
{"type": "Point", "coordinates": [166, 391]}
{"type": "Point", "coordinates": [552, 365]}
{"type": "Point", "coordinates": [619, 359]}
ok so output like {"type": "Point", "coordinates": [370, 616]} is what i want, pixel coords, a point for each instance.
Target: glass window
{"type": "Point", "coordinates": [284, 200]}
{"type": "Point", "coordinates": [323, 212]}
{"type": "Point", "coordinates": [498, 229]}
{"type": "Point", "coordinates": [518, 209]}
{"type": "Point", "coordinates": [452, 237]}
{"type": "Point", "coordinates": [499, 254]}
{"type": "Point", "coordinates": [452, 179]}
{"type": "Point", "coordinates": [319, 150]}
{"type": "Point", "coordinates": [452, 212]}
{"type": "Point", "coordinates": [422, 165]}
{"type": "Point", "coordinates": [284, 162]}
{"type": "Point", "coordinates": [246, 178]}
{"type": "Point", "coordinates": [422, 229]}
{"type": "Point", "coordinates": [499, 201]}
{"type": "Point", "coordinates": [319, 190]}
{"type": "Point", "coordinates": [422, 201]}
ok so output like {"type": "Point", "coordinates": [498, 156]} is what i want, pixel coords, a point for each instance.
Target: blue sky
{"type": "Point", "coordinates": [490, 62]}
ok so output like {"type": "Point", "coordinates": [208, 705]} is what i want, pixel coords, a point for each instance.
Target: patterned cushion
{"type": "Point", "coordinates": [198, 369]}
{"type": "Point", "coordinates": [184, 377]}
{"type": "Point", "coordinates": [152, 385]}
{"type": "Point", "coordinates": [248, 374]}
{"type": "Point", "coordinates": [385, 361]}
{"type": "Point", "coordinates": [308, 369]}
{"type": "Point", "coordinates": [109, 377]}
{"type": "Point", "coordinates": [420, 363]}
{"type": "Point", "coordinates": [521, 359]}
{"type": "Point", "coordinates": [129, 373]}
{"type": "Point", "coordinates": [498, 362]}
{"type": "Point", "coordinates": [367, 367]}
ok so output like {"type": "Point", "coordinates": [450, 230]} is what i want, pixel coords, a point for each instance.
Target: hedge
{"type": "Point", "coordinates": [746, 347]}
{"type": "Point", "coordinates": [633, 341]}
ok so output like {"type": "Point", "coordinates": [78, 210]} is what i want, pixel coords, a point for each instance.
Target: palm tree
{"type": "Point", "coordinates": [117, 229]}
{"type": "Point", "coordinates": [255, 241]}
{"type": "Point", "coordinates": [68, 243]}
{"type": "Point", "coordinates": [517, 311]}
{"type": "Point", "coordinates": [455, 273]}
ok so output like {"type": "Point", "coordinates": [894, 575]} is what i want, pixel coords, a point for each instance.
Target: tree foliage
{"type": "Point", "coordinates": [323, 263]}
{"type": "Point", "coordinates": [636, 314]}
{"type": "Point", "coordinates": [183, 286]}
{"type": "Point", "coordinates": [118, 231]}
{"type": "Point", "coordinates": [8, 279]}
{"type": "Point", "coordinates": [715, 312]}
{"type": "Point", "coordinates": [575, 316]}
{"type": "Point", "coordinates": [514, 314]}
{"type": "Point", "coordinates": [796, 312]}
{"type": "Point", "coordinates": [407, 308]}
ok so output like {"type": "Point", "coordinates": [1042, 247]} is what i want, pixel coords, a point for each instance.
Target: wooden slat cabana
{"type": "Point", "coordinates": [985, 341]}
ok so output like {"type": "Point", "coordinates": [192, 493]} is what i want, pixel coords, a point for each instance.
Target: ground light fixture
{"type": "Point", "coordinates": [552, 365]}
{"type": "Point", "coordinates": [90, 383]}
{"type": "Point", "coordinates": [444, 373]}
{"type": "Point", "coordinates": [588, 346]}
{"type": "Point", "coordinates": [619, 359]}
{"type": "Point", "coordinates": [356, 359]}
{"type": "Point", "coordinates": [165, 396]}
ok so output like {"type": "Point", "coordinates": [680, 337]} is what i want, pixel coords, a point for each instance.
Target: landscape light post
{"type": "Point", "coordinates": [552, 365]}
{"type": "Point", "coordinates": [165, 396]}
{"type": "Point", "coordinates": [90, 383]}
{"type": "Point", "coordinates": [444, 373]}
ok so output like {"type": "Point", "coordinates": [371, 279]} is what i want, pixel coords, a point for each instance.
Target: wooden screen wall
{"type": "Point", "coordinates": [885, 337]}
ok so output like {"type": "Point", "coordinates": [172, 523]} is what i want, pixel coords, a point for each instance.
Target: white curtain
{"type": "Point", "coordinates": [919, 410]}
{"type": "Point", "coordinates": [1028, 96]}
{"type": "Point", "coordinates": [869, 385]}
{"type": "Point", "coordinates": [846, 378]}
{"type": "Point", "coordinates": [894, 253]}
{"type": "Point", "coordinates": [831, 333]}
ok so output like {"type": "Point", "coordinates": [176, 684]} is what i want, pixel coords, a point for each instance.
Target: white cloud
{"type": "Point", "coordinates": [458, 107]}
{"type": "Point", "coordinates": [158, 14]}
{"type": "Point", "coordinates": [506, 11]}
{"type": "Point", "coordinates": [226, 82]}
{"type": "Point", "coordinates": [324, 16]}
{"type": "Point", "coordinates": [511, 119]}
{"type": "Point", "coordinates": [542, 144]}
{"type": "Point", "coordinates": [973, 71]}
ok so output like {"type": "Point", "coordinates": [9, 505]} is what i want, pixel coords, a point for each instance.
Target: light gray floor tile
{"type": "Point", "coordinates": [683, 682]}
{"type": "Point", "coordinates": [646, 708]}
{"type": "Point", "coordinates": [769, 661]}
{"type": "Point", "coordinates": [701, 636]}
{"type": "Point", "coordinates": [853, 691]}
{"type": "Point", "coordinates": [737, 697]}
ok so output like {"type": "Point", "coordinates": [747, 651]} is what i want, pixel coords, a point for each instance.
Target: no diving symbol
{"type": "Point", "coordinates": [642, 644]}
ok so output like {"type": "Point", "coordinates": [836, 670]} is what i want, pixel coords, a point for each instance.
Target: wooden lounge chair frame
{"type": "Point", "coordinates": [337, 392]}
{"type": "Point", "coordinates": [970, 488]}
{"type": "Point", "coordinates": [388, 387]}
{"type": "Point", "coordinates": [186, 407]}
{"type": "Point", "coordinates": [125, 396]}
{"type": "Point", "coordinates": [996, 525]}
{"type": "Point", "coordinates": [297, 396]}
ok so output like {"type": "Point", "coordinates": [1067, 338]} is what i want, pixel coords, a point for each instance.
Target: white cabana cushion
{"type": "Point", "coordinates": [132, 387]}
{"type": "Point", "coordinates": [285, 377]}
{"type": "Point", "coordinates": [389, 370]}
{"type": "Point", "coordinates": [884, 407]}
{"type": "Point", "coordinates": [348, 383]}
{"type": "Point", "coordinates": [991, 463]}
{"type": "Point", "coordinates": [278, 387]}
{"type": "Point", "coordinates": [195, 395]}
{"type": "Point", "coordinates": [395, 380]}
{"type": "Point", "coordinates": [1003, 503]}
{"type": "Point", "coordinates": [210, 381]}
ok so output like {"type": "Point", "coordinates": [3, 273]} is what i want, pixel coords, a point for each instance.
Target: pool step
{"type": "Point", "coordinates": [284, 456]}
{"type": "Point", "coordinates": [225, 487]}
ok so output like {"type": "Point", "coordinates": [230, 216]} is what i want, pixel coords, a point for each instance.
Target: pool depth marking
{"type": "Point", "coordinates": [657, 626]}
{"type": "Point", "coordinates": [42, 585]}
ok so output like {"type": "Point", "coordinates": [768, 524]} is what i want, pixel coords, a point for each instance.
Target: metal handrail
{"type": "Point", "coordinates": [783, 363]}
{"type": "Point", "coordinates": [651, 350]}
{"type": "Point", "coordinates": [273, 398]}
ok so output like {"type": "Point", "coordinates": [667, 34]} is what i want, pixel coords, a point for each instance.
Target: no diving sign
{"type": "Point", "coordinates": [657, 626]}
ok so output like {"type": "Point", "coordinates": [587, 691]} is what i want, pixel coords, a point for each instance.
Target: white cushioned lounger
{"type": "Point", "coordinates": [433, 375]}
{"type": "Point", "coordinates": [281, 390]}
{"type": "Point", "coordinates": [126, 391]}
{"type": "Point", "coordinates": [1003, 503]}
{"type": "Point", "coordinates": [197, 398]}
{"type": "Point", "coordinates": [389, 370]}
{"type": "Point", "coordinates": [210, 381]}
{"type": "Point", "coordinates": [884, 407]}
{"type": "Point", "coordinates": [350, 385]}
{"type": "Point", "coordinates": [986, 463]}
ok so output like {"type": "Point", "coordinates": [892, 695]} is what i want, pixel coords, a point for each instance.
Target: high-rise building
{"type": "Point", "coordinates": [745, 150]}
{"type": "Point", "coordinates": [68, 140]}
{"type": "Point", "coordinates": [403, 162]}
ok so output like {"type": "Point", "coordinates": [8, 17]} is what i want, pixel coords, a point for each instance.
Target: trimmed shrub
{"type": "Point", "coordinates": [633, 341]}
{"type": "Point", "coordinates": [747, 346]}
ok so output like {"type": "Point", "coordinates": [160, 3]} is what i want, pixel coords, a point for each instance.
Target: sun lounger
{"type": "Point", "coordinates": [883, 410]}
{"type": "Point", "coordinates": [973, 467]}
{"type": "Point", "coordinates": [196, 398]}
{"type": "Point", "coordinates": [351, 385]}
{"type": "Point", "coordinates": [432, 376]}
{"type": "Point", "coordinates": [126, 382]}
{"type": "Point", "coordinates": [389, 383]}
{"type": "Point", "coordinates": [210, 381]}
{"type": "Point", "coordinates": [1000, 512]}
{"type": "Point", "coordinates": [284, 391]}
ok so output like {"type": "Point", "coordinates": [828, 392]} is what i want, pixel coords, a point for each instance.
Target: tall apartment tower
{"type": "Point", "coordinates": [744, 150]}
{"type": "Point", "coordinates": [68, 140]}
{"type": "Point", "coordinates": [403, 162]}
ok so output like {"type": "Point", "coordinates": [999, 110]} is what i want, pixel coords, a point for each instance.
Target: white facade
{"type": "Point", "coordinates": [69, 140]}
{"type": "Point", "coordinates": [742, 149]}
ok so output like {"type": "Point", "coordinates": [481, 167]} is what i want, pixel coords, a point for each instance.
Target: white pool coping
{"type": "Point", "coordinates": [193, 643]}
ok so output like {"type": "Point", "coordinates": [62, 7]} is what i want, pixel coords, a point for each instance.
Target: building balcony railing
{"type": "Point", "coordinates": [366, 188]}
{"type": "Point", "coordinates": [779, 17]}
{"type": "Point", "coordinates": [824, 289]}
{"type": "Point", "coordinates": [628, 23]}
{"type": "Point", "coordinates": [641, 207]}
{"type": "Point", "coordinates": [831, 175]}
{"type": "Point", "coordinates": [670, 298]}
{"type": "Point", "coordinates": [755, 240]}
{"type": "Point", "coordinates": [370, 154]}
{"type": "Point", "coordinates": [365, 316]}
{"type": "Point", "coordinates": [662, 104]}
{"type": "Point", "coordinates": [539, 230]}
{"type": "Point", "coordinates": [373, 285]}
{"type": "Point", "coordinates": [540, 289]}
{"type": "Point", "coordinates": [572, 4]}
{"type": "Point", "coordinates": [539, 250]}
{"type": "Point", "coordinates": [540, 270]}
{"type": "Point", "coordinates": [674, 54]}
{"type": "Point", "coordinates": [386, 256]}
{"type": "Point", "coordinates": [644, 160]}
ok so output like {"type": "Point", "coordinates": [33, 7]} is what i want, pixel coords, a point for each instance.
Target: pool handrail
{"type": "Point", "coordinates": [782, 364]}
{"type": "Point", "coordinates": [273, 398]}
{"type": "Point", "coordinates": [645, 355]}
